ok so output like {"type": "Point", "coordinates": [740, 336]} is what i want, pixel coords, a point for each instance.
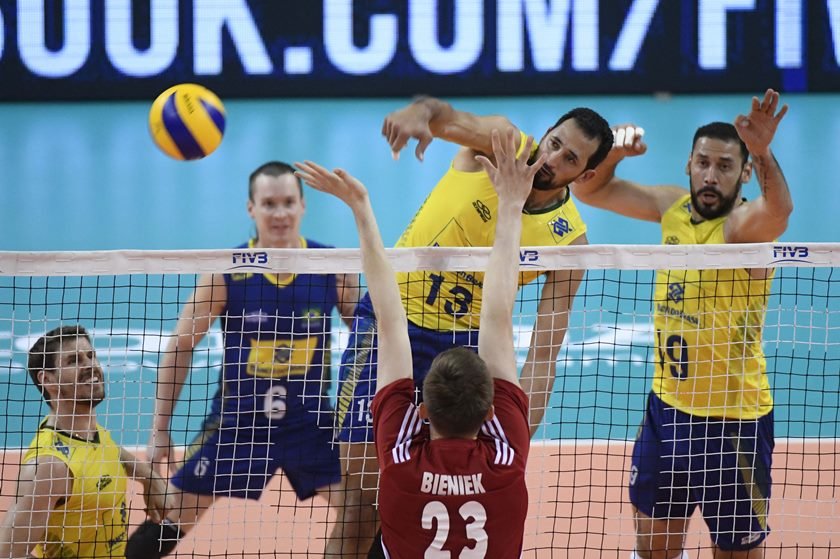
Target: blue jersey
{"type": "Point", "coordinates": [276, 347]}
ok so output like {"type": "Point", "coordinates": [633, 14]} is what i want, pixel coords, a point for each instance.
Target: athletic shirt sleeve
{"type": "Point", "coordinates": [509, 427]}
{"type": "Point", "coordinates": [395, 422]}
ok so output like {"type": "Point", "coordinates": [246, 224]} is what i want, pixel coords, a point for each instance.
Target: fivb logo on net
{"type": "Point", "coordinates": [790, 253]}
{"type": "Point", "coordinates": [530, 258]}
{"type": "Point", "coordinates": [249, 260]}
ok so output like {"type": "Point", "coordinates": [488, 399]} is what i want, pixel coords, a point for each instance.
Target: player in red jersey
{"type": "Point", "coordinates": [452, 486]}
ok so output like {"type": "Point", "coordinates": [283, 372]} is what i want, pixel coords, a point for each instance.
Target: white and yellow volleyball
{"type": "Point", "coordinates": [187, 121]}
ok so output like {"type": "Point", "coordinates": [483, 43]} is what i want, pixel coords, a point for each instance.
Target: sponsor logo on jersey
{"type": "Point", "coordinates": [676, 291]}
{"type": "Point", "coordinates": [560, 227]}
{"type": "Point", "coordinates": [672, 240]}
{"type": "Point", "coordinates": [483, 210]}
{"type": "Point", "coordinates": [104, 482]}
{"type": "Point", "coordinates": [61, 447]}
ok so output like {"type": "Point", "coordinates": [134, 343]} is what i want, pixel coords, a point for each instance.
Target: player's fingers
{"type": "Point", "coordinates": [534, 168]}
{"type": "Point", "coordinates": [782, 112]}
{"type": "Point", "coordinates": [741, 121]}
{"type": "Point", "coordinates": [398, 143]}
{"type": "Point", "coordinates": [526, 151]}
{"type": "Point", "coordinates": [422, 143]}
{"type": "Point", "coordinates": [386, 128]}
{"type": "Point", "coordinates": [154, 515]}
{"type": "Point", "coordinates": [618, 137]}
{"type": "Point", "coordinates": [510, 141]}
{"type": "Point", "coordinates": [756, 104]}
{"type": "Point", "coordinates": [771, 101]}
{"type": "Point", "coordinates": [639, 143]}
{"type": "Point", "coordinates": [485, 163]}
{"type": "Point", "coordinates": [496, 144]}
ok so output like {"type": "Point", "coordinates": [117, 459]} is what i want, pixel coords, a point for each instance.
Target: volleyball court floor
{"type": "Point", "coordinates": [87, 177]}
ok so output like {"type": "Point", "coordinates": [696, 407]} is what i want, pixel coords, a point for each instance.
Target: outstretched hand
{"type": "Point", "coordinates": [758, 128]}
{"type": "Point", "coordinates": [339, 182]}
{"type": "Point", "coordinates": [512, 176]}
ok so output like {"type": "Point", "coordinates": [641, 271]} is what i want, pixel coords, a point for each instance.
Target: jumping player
{"type": "Point", "coordinates": [707, 435]}
{"type": "Point", "coordinates": [443, 308]}
{"type": "Point", "coordinates": [456, 484]}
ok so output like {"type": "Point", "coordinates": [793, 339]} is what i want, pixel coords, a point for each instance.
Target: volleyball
{"type": "Point", "coordinates": [187, 121]}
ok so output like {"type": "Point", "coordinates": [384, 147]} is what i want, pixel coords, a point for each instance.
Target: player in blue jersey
{"type": "Point", "coordinates": [269, 412]}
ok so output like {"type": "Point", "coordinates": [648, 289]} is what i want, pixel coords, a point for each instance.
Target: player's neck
{"type": "Point", "coordinates": [79, 423]}
{"type": "Point", "coordinates": [435, 436]}
{"type": "Point", "coordinates": [539, 200]}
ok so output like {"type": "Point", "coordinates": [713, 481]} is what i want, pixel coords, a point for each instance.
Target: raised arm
{"type": "Point", "coordinates": [512, 178]}
{"type": "Point", "coordinates": [391, 323]}
{"type": "Point", "coordinates": [206, 303]}
{"type": "Point", "coordinates": [41, 486]}
{"type": "Point", "coordinates": [539, 370]}
{"type": "Point", "coordinates": [606, 191]}
{"type": "Point", "coordinates": [349, 293]}
{"type": "Point", "coordinates": [427, 118]}
{"type": "Point", "coordinates": [765, 218]}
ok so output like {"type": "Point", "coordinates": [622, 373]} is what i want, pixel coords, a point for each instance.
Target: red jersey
{"type": "Point", "coordinates": [451, 497]}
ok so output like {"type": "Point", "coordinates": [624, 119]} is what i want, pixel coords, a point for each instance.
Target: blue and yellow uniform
{"type": "Point", "coordinates": [707, 437]}
{"type": "Point", "coordinates": [91, 521]}
{"type": "Point", "coordinates": [269, 412]}
{"type": "Point", "coordinates": [443, 308]}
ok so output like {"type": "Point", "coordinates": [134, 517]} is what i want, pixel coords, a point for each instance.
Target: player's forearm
{"type": "Point", "coordinates": [540, 368]}
{"type": "Point", "coordinates": [500, 281]}
{"type": "Point", "coordinates": [774, 187]}
{"type": "Point", "coordinates": [136, 469]}
{"type": "Point", "coordinates": [379, 273]}
{"type": "Point", "coordinates": [172, 374]}
{"type": "Point", "coordinates": [596, 189]}
{"type": "Point", "coordinates": [537, 381]}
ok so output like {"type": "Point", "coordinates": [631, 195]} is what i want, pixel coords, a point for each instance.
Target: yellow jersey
{"type": "Point", "coordinates": [461, 212]}
{"type": "Point", "coordinates": [91, 522]}
{"type": "Point", "coordinates": [708, 326]}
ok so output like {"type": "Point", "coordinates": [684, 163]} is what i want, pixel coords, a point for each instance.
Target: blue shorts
{"type": "Point", "coordinates": [357, 375]}
{"type": "Point", "coordinates": [239, 461]}
{"type": "Point", "coordinates": [681, 461]}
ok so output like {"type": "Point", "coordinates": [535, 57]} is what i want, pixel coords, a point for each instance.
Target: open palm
{"type": "Point", "coordinates": [758, 128]}
{"type": "Point", "coordinates": [339, 183]}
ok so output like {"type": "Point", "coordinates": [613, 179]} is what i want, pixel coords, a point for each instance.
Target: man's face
{"type": "Point", "coordinates": [277, 209]}
{"type": "Point", "coordinates": [77, 377]}
{"type": "Point", "coordinates": [716, 172]}
{"type": "Point", "coordinates": [567, 150]}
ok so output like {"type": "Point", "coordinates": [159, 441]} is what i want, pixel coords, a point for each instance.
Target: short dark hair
{"type": "Point", "coordinates": [43, 353]}
{"type": "Point", "coordinates": [594, 127]}
{"type": "Point", "coordinates": [272, 169]}
{"type": "Point", "coordinates": [724, 132]}
{"type": "Point", "coordinates": [458, 392]}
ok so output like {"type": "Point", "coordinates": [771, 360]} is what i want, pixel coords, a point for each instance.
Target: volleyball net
{"type": "Point", "coordinates": [579, 466]}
